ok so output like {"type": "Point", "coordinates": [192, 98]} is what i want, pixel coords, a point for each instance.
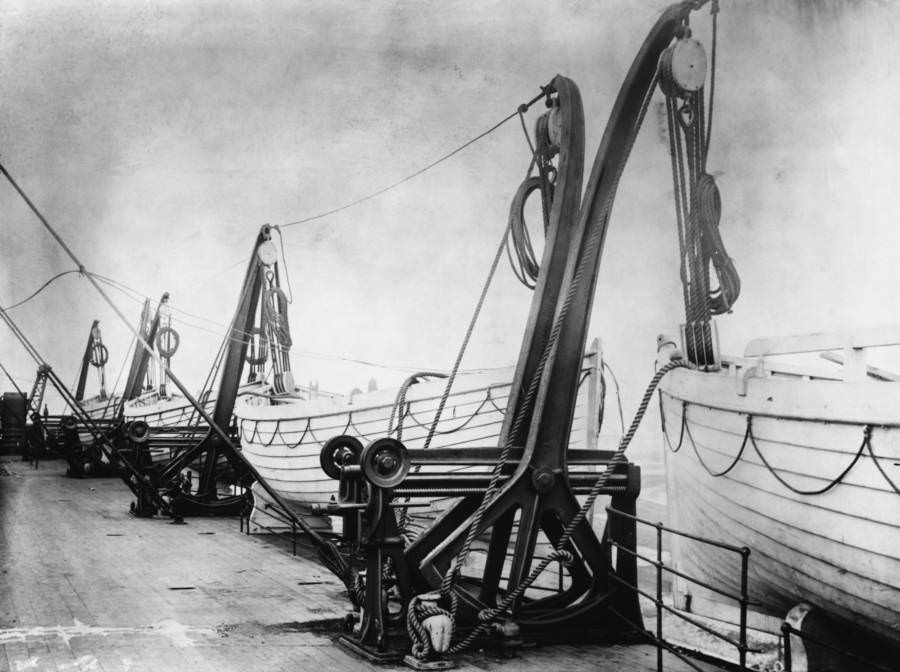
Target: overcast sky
{"type": "Point", "coordinates": [159, 137]}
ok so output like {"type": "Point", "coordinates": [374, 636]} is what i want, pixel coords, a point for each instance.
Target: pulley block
{"type": "Point", "coordinates": [267, 252]}
{"type": "Point", "coordinates": [683, 67]}
{"type": "Point", "coordinates": [385, 462]}
{"type": "Point", "coordinates": [284, 382]}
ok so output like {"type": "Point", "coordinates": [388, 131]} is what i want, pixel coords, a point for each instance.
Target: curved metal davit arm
{"type": "Point", "coordinates": [542, 402]}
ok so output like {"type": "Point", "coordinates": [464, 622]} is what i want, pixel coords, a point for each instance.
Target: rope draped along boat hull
{"type": "Point", "coordinates": [800, 468]}
{"type": "Point", "coordinates": [283, 442]}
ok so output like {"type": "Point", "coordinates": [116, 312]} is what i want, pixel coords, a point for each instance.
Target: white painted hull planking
{"type": "Point", "coordinates": [838, 550]}
{"type": "Point", "coordinates": [175, 410]}
{"type": "Point", "coordinates": [97, 409]}
{"type": "Point", "coordinates": [283, 441]}
{"type": "Point", "coordinates": [156, 411]}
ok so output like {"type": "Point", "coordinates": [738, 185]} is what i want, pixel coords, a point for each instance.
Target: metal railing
{"type": "Point", "coordinates": [275, 512]}
{"type": "Point", "coordinates": [658, 638]}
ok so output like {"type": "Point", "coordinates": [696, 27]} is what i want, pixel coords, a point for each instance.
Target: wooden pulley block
{"type": "Point", "coordinates": [683, 67]}
{"type": "Point", "coordinates": [284, 382]}
{"type": "Point", "coordinates": [554, 126]}
{"type": "Point", "coordinates": [267, 253]}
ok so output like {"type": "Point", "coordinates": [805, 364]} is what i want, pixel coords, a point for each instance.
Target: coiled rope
{"type": "Point", "coordinates": [420, 608]}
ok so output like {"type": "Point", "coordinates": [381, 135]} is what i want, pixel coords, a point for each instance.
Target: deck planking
{"type": "Point", "coordinates": [86, 587]}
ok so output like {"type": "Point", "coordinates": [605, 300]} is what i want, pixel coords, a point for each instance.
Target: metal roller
{"type": "Point", "coordinates": [338, 452]}
{"type": "Point", "coordinates": [385, 462]}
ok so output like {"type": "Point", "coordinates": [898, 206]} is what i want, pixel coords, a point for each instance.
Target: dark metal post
{"type": "Point", "coordinates": [742, 649]}
{"type": "Point", "coordinates": [786, 635]}
{"type": "Point", "coordinates": [659, 597]}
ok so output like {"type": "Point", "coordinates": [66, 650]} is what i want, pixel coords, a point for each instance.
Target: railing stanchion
{"type": "Point", "coordinates": [661, 608]}
{"type": "Point", "coordinates": [745, 599]}
{"type": "Point", "coordinates": [786, 636]}
{"type": "Point", "coordinates": [659, 595]}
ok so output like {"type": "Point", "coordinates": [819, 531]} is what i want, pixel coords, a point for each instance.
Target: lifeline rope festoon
{"type": "Point", "coordinates": [750, 438]}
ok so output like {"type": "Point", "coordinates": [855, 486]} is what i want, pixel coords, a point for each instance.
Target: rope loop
{"type": "Point", "coordinates": [877, 462]}
{"type": "Point", "coordinates": [420, 608]}
{"type": "Point", "coordinates": [520, 251]}
{"type": "Point", "coordinates": [563, 556]}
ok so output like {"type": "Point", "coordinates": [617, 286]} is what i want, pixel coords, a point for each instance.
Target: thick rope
{"type": "Point", "coordinates": [665, 430]}
{"type": "Point", "coordinates": [714, 11]}
{"type": "Point", "coordinates": [416, 613]}
{"type": "Point", "coordinates": [561, 550]}
{"type": "Point", "coordinates": [867, 435]}
{"type": "Point", "coordinates": [465, 342]}
{"type": "Point", "coordinates": [737, 458]}
{"type": "Point", "coordinates": [878, 466]}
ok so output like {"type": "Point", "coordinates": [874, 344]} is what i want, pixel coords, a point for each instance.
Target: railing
{"type": "Point", "coordinates": [275, 512]}
{"type": "Point", "coordinates": [658, 638]}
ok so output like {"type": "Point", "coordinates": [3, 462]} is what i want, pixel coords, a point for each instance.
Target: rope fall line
{"type": "Point", "coordinates": [418, 172]}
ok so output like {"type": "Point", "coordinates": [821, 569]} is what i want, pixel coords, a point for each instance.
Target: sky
{"type": "Point", "coordinates": [158, 137]}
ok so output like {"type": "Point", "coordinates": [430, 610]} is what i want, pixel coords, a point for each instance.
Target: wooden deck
{"type": "Point", "coordinates": [86, 587]}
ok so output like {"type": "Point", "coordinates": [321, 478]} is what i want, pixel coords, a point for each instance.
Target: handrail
{"type": "Point", "coordinates": [741, 597]}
